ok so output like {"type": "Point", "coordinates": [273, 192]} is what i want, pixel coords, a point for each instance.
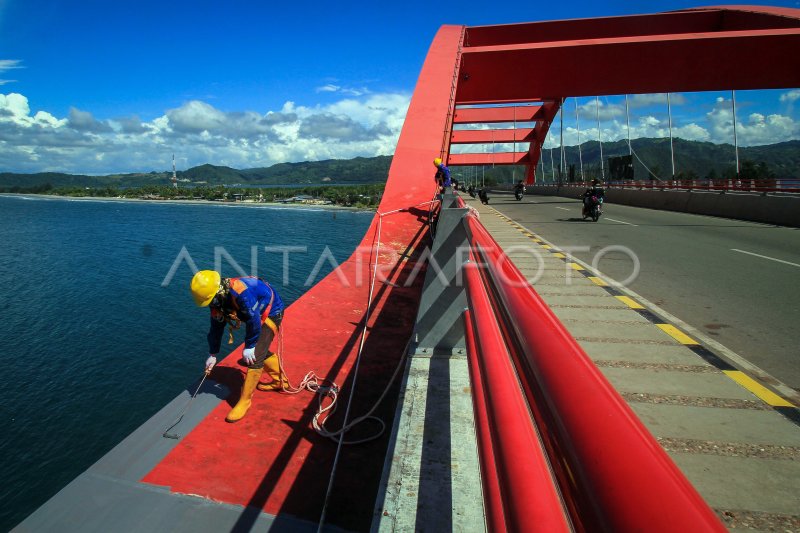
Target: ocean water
{"type": "Point", "coordinates": [96, 335]}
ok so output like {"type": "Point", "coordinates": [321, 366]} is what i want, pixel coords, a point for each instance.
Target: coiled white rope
{"type": "Point", "coordinates": [326, 388]}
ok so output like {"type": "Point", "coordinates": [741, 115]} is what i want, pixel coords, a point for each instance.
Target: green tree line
{"type": "Point", "coordinates": [366, 195]}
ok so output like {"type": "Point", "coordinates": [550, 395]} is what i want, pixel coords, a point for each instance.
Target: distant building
{"type": "Point", "coordinates": [300, 199]}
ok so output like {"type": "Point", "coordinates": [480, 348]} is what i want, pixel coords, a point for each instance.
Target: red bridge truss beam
{"type": "Point", "coordinates": [700, 20]}
{"type": "Point", "coordinates": [699, 62]}
{"type": "Point", "coordinates": [493, 115]}
{"type": "Point", "coordinates": [704, 49]}
{"type": "Point", "coordinates": [519, 135]}
{"type": "Point", "coordinates": [500, 158]}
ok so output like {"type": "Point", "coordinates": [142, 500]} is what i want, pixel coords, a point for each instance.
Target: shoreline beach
{"type": "Point", "coordinates": [242, 203]}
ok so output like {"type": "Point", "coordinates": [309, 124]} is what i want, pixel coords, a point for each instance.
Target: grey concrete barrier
{"type": "Point", "coordinates": [783, 210]}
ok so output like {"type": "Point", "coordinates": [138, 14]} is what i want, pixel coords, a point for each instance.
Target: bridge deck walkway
{"type": "Point", "coordinates": [742, 454]}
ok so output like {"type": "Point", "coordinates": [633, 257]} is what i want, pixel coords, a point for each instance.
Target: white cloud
{"type": "Point", "coordinates": [15, 105]}
{"type": "Point", "coordinates": [46, 119]}
{"type": "Point", "coordinates": [589, 111]}
{"type": "Point", "coordinates": [8, 64]}
{"type": "Point", "coordinates": [643, 100]}
{"type": "Point", "coordinates": [791, 96]}
{"type": "Point", "coordinates": [714, 126]}
{"type": "Point", "coordinates": [197, 133]}
{"type": "Point", "coordinates": [350, 91]}
{"type": "Point", "coordinates": [196, 117]}
{"type": "Point", "coordinates": [756, 129]}
{"type": "Point", "coordinates": [692, 132]}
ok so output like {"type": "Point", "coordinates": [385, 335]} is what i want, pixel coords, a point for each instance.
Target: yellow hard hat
{"type": "Point", "coordinates": [437, 161]}
{"type": "Point", "coordinates": [205, 285]}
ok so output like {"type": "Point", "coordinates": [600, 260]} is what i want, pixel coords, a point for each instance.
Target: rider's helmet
{"type": "Point", "coordinates": [437, 161]}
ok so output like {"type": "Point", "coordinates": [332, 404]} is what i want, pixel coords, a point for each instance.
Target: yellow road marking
{"type": "Point", "coordinates": [546, 246]}
{"type": "Point", "coordinates": [598, 281]}
{"type": "Point", "coordinates": [756, 388]}
{"type": "Point", "coordinates": [537, 240]}
{"type": "Point", "coordinates": [527, 234]}
{"type": "Point", "coordinates": [630, 302]}
{"type": "Point", "coordinates": [559, 255]}
{"type": "Point", "coordinates": [677, 334]}
{"type": "Point", "coordinates": [575, 266]}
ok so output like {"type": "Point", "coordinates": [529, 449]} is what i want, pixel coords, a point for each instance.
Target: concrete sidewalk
{"type": "Point", "coordinates": [735, 440]}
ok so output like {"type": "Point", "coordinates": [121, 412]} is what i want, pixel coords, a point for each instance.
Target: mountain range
{"type": "Point", "coordinates": [692, 158]}
{"type": "Point", "coordinates": [335, 171]}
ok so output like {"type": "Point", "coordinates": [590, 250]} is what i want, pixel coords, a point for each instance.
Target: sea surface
{"type": "Point", "coordinates": [96, 335]}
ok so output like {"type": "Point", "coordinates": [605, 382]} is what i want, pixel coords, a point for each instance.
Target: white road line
{"type": "Point", "coordinates": [563, 208]}
{"type": "Point", "coordinates": [621, 222]}
{"type": "Point", "coordinates": [765, 257]}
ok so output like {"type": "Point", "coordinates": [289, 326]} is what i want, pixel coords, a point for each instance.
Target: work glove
{"type": "Point", "coordinates": [210, 362]}
{"type": "Point", "coordinates": [249, 355]}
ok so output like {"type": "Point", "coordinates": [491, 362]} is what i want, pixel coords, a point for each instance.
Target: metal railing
{"type": "Point", "coordinates": [611, 473]}
{"type": "Point", "coordinates": [790, 185]}
{"type": "Point", "coordinates": [515, 471]}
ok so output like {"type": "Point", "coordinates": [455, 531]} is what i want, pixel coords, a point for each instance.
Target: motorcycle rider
{"type": "Point", "coordinates": [595, 190]}
{"type": "Point", "coordinates": [519, 190]}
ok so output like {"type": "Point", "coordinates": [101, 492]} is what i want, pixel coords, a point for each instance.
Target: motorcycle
{"type": "Point", "coordinates": [519, 192]}
{"type": "Point", "coordinates": [593, 209]}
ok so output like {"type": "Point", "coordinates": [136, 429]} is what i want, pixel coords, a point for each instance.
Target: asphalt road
{"type": "Point", "coordinates": [737, 282]}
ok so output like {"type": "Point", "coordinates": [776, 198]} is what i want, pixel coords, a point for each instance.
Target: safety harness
{"type": "Point", "coordinates": [230, 316]}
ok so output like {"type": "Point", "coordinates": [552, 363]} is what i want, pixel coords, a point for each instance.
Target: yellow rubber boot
{"type": "Point", "coordinates": [246, 399]}
{"type": "Point", "coordinates": [273, 367]}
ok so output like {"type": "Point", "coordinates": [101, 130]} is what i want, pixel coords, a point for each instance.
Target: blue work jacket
{"type": "Point", "coordinates": [249, 298]}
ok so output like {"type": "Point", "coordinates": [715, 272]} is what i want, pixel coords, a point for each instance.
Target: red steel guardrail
{"type": "Point", "coordinates": [528, 495]}
{"type": "Point", "coordinates": [735, 185]}
{"type": "Point", "coordinates": [492, 498]}
{"type": "Point", "coordinates": [613, 474]}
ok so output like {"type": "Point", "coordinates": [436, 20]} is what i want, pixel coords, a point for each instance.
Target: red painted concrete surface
{"type": "Point", "coordinates": [272, 460]}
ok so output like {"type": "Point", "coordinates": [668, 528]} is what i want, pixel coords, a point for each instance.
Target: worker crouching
{"type": "Point", "coordinates": [253, 301]}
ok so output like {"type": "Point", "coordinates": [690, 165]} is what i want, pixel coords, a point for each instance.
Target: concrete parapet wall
{"type": "Point", "coordinates": [770, 209]}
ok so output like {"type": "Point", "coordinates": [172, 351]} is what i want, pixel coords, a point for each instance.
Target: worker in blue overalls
{"type": "Point", "coordinates": [442, 176]}
{"type": "Point", "coordinates": [254, 302]}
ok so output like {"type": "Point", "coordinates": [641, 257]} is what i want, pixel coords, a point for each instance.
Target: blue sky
{"type": "Point", "coordinates": [114, 86]}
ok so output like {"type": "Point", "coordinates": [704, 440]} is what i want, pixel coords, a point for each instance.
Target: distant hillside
{"type": "Point", "coordinates": [358, 170]}
{"type": "Point", "coordinates": [699, 158]}
{"type": "Point", "coordinates": [692, 159]}
{"type": "Point", "coordinates": [333, 171]}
